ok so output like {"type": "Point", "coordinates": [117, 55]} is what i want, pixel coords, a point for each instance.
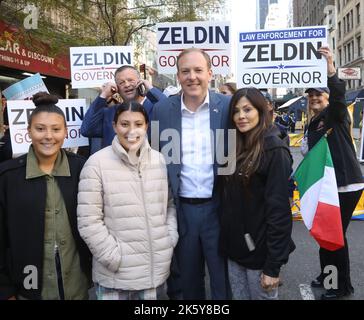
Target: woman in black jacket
{"type": "Point", "coordinates": [256, 221]}
{"type": "Point", "coordinates": [41, 253]}
{"type": "Point", "coordinates": [329, 111]}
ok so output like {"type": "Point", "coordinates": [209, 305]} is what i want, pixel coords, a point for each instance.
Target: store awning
{"type": "Point", "coordinates": [351, 96]}
{"type": "Point", "coordinates": [298, 103]}
{"type": "Point", "coordinates": [15, 53]}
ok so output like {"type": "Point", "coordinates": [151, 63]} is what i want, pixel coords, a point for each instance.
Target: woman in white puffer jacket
{"type": "Point", "coordinates": [126, 213]}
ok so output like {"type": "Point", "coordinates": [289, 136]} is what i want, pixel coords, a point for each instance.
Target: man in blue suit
{"type": "Point", "coordinates": [99, 117]}
{"type": "Point", "coordinates": [185, 132]}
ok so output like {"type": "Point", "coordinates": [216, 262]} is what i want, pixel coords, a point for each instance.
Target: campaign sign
{"type": "Point", "coordinates": [25, 88]}
{"type": "Point", "coordinates": [212, 37]}
{"type": "Point", "coordinates": [20, 110]}
{"type": "Point", "coordinates": [282, 58]}
{"type": "Point", "coordinates": [93, 66]}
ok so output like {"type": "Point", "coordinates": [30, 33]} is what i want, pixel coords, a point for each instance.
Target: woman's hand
{"type": "Point", "coordinates": [268, 283]}
{"type": "Point", "coordinates": [327, 53]}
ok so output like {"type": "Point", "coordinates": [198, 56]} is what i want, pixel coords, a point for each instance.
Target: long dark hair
{"type": "Point", "coordinates": [45, 102]}
{"type": "Point", "coordinates": [131, 106]}
{"type": "Point", "coordinates": [249, 145]}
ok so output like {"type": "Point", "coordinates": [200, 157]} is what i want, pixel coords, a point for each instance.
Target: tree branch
{"type": "Point", "coordinates": [133, 30]}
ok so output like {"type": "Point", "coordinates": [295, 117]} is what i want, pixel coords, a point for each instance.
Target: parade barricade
{"type": "Point", "coordinates": [295, 139]}
{"type": "Point", "coordinates": [296, 214]}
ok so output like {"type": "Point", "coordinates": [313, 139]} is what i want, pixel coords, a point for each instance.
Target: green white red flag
{"type": "Point", "coordinates": [320, 207]}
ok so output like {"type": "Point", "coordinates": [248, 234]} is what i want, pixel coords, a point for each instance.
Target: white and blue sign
{"type": "Point", "coordinates": [93, 66]}
{"type": "Point", "coordinates": [20, 110]}
{"type": "Point", "coordinates": [211, 36]}
{"type": "Point", "coordinates": [286, 58]}
{"type": "Point", "coordinates": [25, 88]}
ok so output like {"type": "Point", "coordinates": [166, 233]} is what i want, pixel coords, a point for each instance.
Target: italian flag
{"type": "Point", "coordinates": [320, 207]}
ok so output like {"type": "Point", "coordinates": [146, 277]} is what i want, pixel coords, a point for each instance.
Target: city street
{"type": "Point", "coordinates": [304, 264]}
{"type": "Point", "coordinates": [81, 76]}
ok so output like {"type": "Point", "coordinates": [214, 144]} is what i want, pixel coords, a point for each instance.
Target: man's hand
{"type": "Point", "coordinates": [268, 283]}
{"type": "Point", "coordinates": [146, 84]}
{"type": "Point", "coordinates": [108, 89]}
{"type": "Point", "coordinates": [326, 52]}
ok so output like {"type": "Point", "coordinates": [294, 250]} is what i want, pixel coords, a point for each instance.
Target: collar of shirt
{"type": "Point", "coordinates": [142, 102]}
{"type": "Point", "coordinates": [61, 166]}
{"type": "Point", "coordinates": [205, 103]}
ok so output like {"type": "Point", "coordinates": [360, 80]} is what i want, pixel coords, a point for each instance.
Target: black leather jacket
{"type": "Point", "coordinates": [335, 116]}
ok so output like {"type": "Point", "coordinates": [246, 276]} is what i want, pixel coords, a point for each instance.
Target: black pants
{"type": "Point", "coordinates": [340, 258]}
{"type": "Point", "coordinates": [59, 276]}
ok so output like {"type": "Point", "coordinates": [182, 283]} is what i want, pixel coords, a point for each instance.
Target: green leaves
{"type": "Point", "coordinates": [65, 23]}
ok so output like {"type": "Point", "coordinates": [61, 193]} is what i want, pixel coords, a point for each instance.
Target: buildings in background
{"type": "Point", "coordinates": [33, 55]}
{"type": "Point", "coordinates": [271, 15]}
{"type": "Point", "coordinates": [349, 38]}
{"type": "Point", "coordinates": [310, 12]}
{"type": "Point", "coordinates": [276, 17]}
{"type": "Point", "coordinates": [224, 14]}
{"type": "Point", "coordinates": [145, 46]}
{"type": "Point", "coordinates": [345, 21]}
{"type": "Point", "coordinates": [21, 57]}
{"type": "Point", "coordinates": [13, 67]}
{"type": "Point", "coordinates": [262, 12]}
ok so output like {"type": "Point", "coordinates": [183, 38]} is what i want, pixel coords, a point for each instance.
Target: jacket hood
{"type": "Point", "coordinates": [273, 139]}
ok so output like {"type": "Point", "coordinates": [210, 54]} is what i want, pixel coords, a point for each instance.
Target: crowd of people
{"type": "Point", "coordinates": [132, 220]}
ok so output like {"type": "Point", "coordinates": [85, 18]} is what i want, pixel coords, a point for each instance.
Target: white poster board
{"type": "Point", "coordinates": [93, 66]}
{"type": "Point", "coordinates": [25, 88]}
{"type": "Point", "coordinates": [282, 58]}
{"type": "Point", "coordinates": [19, 111]}
{"type": "Point", "coordinates": [213, 37]}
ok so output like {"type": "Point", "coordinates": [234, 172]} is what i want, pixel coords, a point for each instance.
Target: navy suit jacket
{"type": "Point", "coordinates": [98, 119]}
{"type": "Point", "coordinates": [167, 115]}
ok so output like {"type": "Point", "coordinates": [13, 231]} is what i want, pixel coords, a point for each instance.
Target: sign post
{"type": "Point", "coordinates": [361, 155]}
